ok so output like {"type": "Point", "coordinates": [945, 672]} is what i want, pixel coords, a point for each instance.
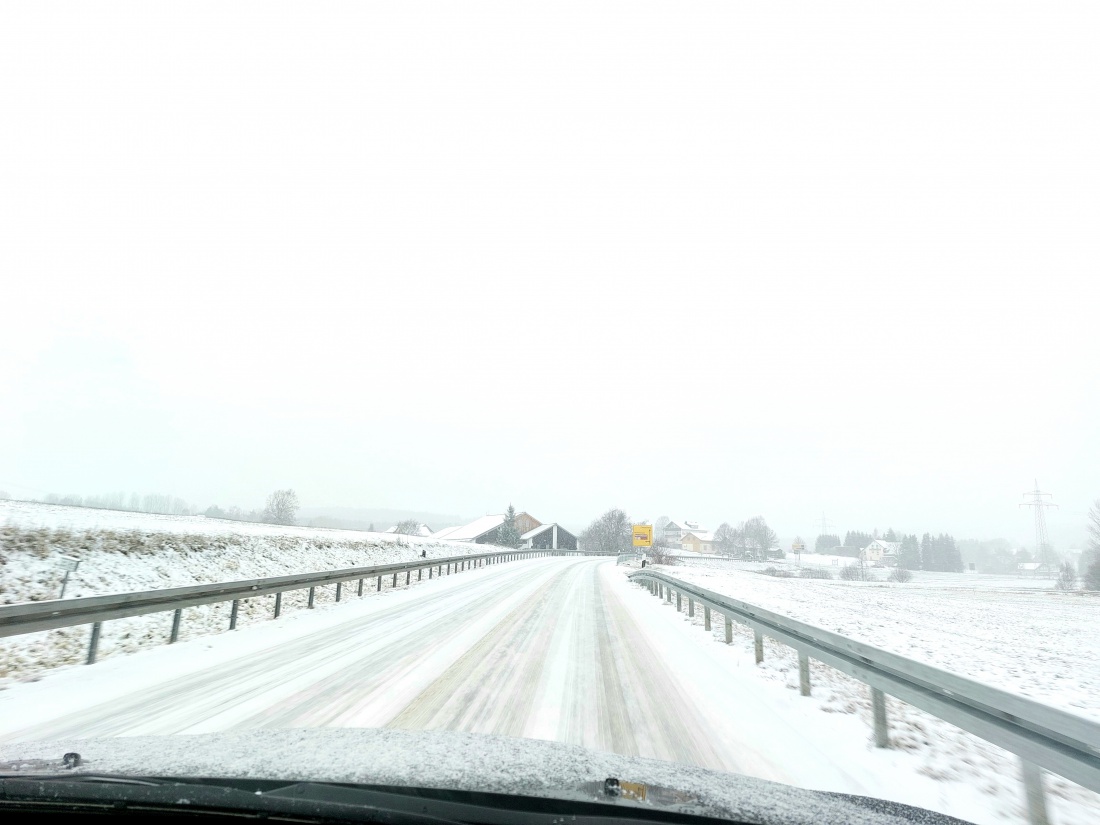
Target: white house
{"type": "Point", "coordinates": [880, 552]}
{"type": "Point", "coordinates": [676, 530]}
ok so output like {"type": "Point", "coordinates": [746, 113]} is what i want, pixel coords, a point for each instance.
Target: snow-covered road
{"type": "Point", "coordinates": [559, 649]}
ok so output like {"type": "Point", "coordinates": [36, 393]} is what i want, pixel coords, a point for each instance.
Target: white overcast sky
{"type": "Point", "coordinates": [697, 259]}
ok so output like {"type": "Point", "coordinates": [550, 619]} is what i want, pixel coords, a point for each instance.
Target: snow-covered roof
{"type": "Point", "coordinates": [702, 535]}
{"type": "Point", "coordinates": [885, 546]}
{"type": "Point", "coordinates": [473, 530]}
{"type": "Point", "coordinates": [685, 524]}
{"type": "Point", "coordinates": [445, 532]}
{"type": "Point", "coordinates": [421, 530]}
{"type": "Point", "coordinates": [530, 534]}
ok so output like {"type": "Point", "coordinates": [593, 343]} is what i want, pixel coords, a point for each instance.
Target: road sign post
{"type": "Point", "coordinates": [68, 564]}
{"type": "Point", "coordinates": [642, 536]}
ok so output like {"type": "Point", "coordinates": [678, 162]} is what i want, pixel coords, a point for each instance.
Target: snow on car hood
{"type": "Point", "coordinates": [459, 761]}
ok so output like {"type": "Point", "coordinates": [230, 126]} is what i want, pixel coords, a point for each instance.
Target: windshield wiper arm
{"type": "Point", "coordinates": [95, 792]}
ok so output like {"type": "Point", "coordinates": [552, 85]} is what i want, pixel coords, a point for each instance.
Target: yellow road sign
{"type": "Point", "coordinates": [643, 535]}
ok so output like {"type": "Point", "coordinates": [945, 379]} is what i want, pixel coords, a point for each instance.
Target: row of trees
{"type": "Point", "coordinates": [611, 534]}
{"type": "Point", "coordinates": [939, 553]}
{"type": "Point", "coordinates": [749, 538]}
{"type": "Point", "coordinates": [149, 503]}
{"type": "Point", "coordinates": [281, 506]}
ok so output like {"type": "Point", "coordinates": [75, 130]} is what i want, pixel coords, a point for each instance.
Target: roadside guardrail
{"type": "Point", "coordinates": [1041, 736]}
{"type": "Point", "coordinates": [30, 617]}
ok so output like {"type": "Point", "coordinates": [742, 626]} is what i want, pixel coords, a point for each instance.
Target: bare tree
{"type": "Point", "coordinates": [1094, 528]}
{"type": "Point", "coordinates": [661, 553]}
{"type": "Point", "coordinates": [282, 506]}
{"type": "Point", "coordinates": [408, 527]}
{"type": "Point", "coordinates": [610, 534]}
{"type": "Point", "coordinates": [759, 537]}
{"type": "Point", "coordinates": [726, 538]}
{"type": "Point", "coordinates": [1067, 578]}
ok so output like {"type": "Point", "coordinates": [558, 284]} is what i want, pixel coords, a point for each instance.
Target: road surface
{"type": "Point", "coordinates": [559, 648]}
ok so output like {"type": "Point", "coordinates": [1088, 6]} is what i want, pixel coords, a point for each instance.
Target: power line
{"type": "Point", "coordinates": [1042, 545]}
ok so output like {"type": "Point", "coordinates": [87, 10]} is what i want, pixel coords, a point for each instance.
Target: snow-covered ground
{"type": "Point", "coordinates": [832, 565]}
{"type": "Point", "coordinates": [76, 519]}
{"type": "Point", "coordinates": [1035, 642]}
{"type": "Point", "coordinates": [125, 552]}
{"type": "Point", "coordinates": [562, 649]}
{"type": "Point", "coordinates": [1039, 643]}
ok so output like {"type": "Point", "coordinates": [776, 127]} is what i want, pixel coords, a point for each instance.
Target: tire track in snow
{"type": "Point", "coordinates": [279, 686]}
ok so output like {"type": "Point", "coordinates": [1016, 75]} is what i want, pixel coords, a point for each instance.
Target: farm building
{"type": "Point", "coordinates": [549, 537]}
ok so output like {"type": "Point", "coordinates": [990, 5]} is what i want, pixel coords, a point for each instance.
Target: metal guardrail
{"type": "Point", "coordinates": [1041, 736]}
{"type": "Point", "coordinates": [30, 617]}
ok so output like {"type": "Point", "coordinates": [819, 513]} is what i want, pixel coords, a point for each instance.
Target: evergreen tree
{"type": "Point", "coordinates": [826, 542]}
{"type": "Point", "coordinates": [891, 535]}
{"type": "Point", "coordinates": [507, 534]}
{"type": "Point", "coordinates": [855, 541]}
{"type": "Point", "coordinates": [952, 558]}
{"type": "Point", "coordinates": [909, 553]}
{"type": "Point", "coordinates": [926, 552]}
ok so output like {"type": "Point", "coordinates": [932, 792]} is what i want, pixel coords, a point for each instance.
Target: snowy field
{"type": "Point", "coordinates": [833, 564]}
{"type": "Point", "coordinates": [124, 552]}
{"type": "Point", "coordinates": [1035, 642]}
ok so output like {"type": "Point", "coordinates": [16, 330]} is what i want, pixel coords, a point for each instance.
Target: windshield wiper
{"type": "Point", "coordinates": [318, 801]}
{"type": "Point", "coordinates": [88, 793]}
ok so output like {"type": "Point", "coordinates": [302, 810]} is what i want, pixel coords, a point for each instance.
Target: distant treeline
{"type": "Point", "coordinates": [149, 503]}
{"type": "Point", "coordinates": [929, 552]}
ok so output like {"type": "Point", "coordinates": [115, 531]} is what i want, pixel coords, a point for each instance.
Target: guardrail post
{"type": "Point", "coordinates": [233, 614]}
{"type": "Point", "coordinates": [360, 587]}
{"type": "Point", "coordinates": [882, 730]}
{"type": "Point", "coordinates": [379, 588]}
{"type": "Point", "coordinates": [439, 570]}
{"type": "Point", "coordinates": [419, 573]}
{"type": "Point", "coordinates": [679, 602]}
{"type": "Point", "coordinates": [278, 604]}
{"type": "Point", "coordinates": [430, 569]}
{"type": "Point", "coordinates": [668, 595]}
{"type": "Point", "coordinates": [394, 580]}
{"type": "Point", "coordinates": [758, 645]}
{"type": "Point", "coordinates": [729, 630]}
{"type": "Point", "coordinates": [804, 674]}
{"type": "Point", "coordinates": [706, 618]}
{"type": "Point", "coordinates": [408, 577]}
{"type": "Point", "coordinates": [448, 568]}
{"type": "Point", "coordinates": [691, 608]}
{"type": "Point", "coordinates": [1033, 788]}
{"type": "Point", "coordinates": [339, 588]}
{"type": "Point", "coordinates": [310, 605]}
{"type": "Point", "coordinates": [93, 645]}
{"type": "Point", "coordinates": [175, 634]}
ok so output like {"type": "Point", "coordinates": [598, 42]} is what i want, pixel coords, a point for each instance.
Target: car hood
{"type": "Point", "coordinates": [456, 761]}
